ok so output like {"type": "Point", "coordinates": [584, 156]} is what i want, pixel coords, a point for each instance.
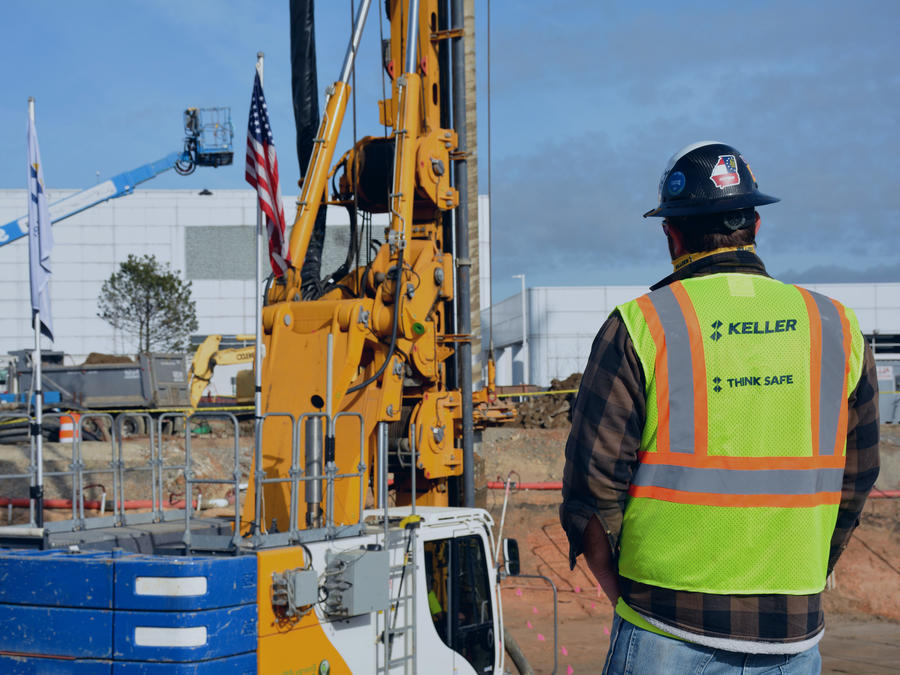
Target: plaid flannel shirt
{"type": "Point", "coordinates": [601, 458]}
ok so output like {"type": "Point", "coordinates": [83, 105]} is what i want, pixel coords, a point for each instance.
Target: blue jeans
{"type": "Point", "coordinates": [638, 651]}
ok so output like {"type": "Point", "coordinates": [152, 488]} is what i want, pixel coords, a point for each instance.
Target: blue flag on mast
{"type": "Point", "coordinates": [40, 236]}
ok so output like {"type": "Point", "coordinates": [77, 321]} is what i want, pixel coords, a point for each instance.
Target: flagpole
{"type": "Point", "coordinates": [37, 490]}
{"type": "Point", "coordinates": [257, 352]}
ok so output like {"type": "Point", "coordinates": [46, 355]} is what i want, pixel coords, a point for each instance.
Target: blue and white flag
{"type": "Point", "coordinates": [40, 236]}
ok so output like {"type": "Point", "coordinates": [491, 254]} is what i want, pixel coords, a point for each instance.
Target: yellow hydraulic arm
{"type": "Point", "coordinates": [384, 325]}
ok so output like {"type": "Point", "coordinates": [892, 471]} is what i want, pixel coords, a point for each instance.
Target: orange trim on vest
{"type": "Point", "coordinates": [712, 499]}
{"type": "Point", "coordinates": [698, 367]}
{"type": "Point", "coordinates": [743, 463]}
{"type": "Point", "coordinates": [815, 364]}
{"type": "Point", "coordinates": [840, 438]}
{"type": "Point", "coordinates": [661, 374]}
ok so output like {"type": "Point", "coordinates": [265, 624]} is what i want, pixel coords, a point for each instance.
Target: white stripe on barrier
{"type": "Point", "coordinates": [170, 586]}
{"type": "Point", "coordinates": [154, 636]}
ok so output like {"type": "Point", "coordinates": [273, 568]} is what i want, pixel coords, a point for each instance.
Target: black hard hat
{"type": "Point", "coordinates": [707, 177]}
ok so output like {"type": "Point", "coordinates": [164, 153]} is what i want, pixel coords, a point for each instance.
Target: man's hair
{"type": "Point", "coordinates": [716, 230]}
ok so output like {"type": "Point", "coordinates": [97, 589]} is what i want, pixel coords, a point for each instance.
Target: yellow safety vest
{"type": "Point", "coordinates": [743, 450]}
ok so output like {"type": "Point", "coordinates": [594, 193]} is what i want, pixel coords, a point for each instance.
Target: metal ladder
{"type": "Point", "coordinates": [396, 625]}
{"type": "Point", "coordinates": [398, 632]}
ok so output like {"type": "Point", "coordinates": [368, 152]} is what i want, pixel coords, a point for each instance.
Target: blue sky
{"type": "Point", "coordinates": [588, 101]}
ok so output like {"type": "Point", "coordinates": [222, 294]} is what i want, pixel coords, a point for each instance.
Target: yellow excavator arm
{"type": "Point", "coordinates": [208, 356]}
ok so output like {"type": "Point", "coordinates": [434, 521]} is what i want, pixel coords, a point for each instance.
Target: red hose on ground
{"type": "Point", "coordinates": [884, 494]}
{"type": "Point", "coordinates": [548, 485]}
{"type": "Point", "coordinates": [90, 504]}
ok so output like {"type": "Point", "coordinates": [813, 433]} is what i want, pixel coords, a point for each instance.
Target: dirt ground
{"type": "Point", "coordinates": [862, 609]}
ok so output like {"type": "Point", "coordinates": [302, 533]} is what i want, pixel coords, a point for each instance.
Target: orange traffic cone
{"type": "Point", "coordinates": [68, 427]}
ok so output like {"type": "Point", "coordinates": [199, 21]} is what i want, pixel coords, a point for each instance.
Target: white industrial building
{"type": "Point", "coordinates": [209, 238]}
{"type": "Point", "coordinates": [547, 333]}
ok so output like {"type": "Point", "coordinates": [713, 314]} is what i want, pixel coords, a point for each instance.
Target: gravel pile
{"type": "Point", "coordinates": [550, 411]}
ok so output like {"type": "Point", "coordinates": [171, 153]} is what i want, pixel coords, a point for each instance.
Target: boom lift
{"type": "Point", "coordinates": [366, 401]}
{"type": "Point", "coordinates": [207, 142]}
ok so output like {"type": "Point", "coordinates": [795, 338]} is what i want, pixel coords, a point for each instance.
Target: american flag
{"type": "Point", "coordinates": [262, 173]}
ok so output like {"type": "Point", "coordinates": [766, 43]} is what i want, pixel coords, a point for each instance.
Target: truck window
{"type": "Point", "coordinates": [459, 597]}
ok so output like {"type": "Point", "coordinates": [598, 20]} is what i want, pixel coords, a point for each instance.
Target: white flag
{"type": "Point", "coordinates": [40, 236]}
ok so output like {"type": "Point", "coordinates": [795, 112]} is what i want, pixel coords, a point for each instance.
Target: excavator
{"type": "Point", "coordinates": [209, 355]}
{"type": "Point", "coordinates": [354, 545]}
{"type": "Point", "coordinates": [487, 407]}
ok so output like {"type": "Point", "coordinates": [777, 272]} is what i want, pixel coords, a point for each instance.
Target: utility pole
{"type": "Point", "coordinates": [526, 360]}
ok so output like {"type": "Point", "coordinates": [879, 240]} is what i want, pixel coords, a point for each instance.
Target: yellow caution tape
{"type": "Point", "coordinates": [165, 410]}
{"type": "Point", "coordinates": [540, 393]}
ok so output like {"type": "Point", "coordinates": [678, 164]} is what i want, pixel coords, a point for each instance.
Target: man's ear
{"type": "Point", "coordinates": [676, 239]}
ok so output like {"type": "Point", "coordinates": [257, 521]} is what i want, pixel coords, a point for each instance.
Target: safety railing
{"type": "Point", "coordinates": [142, 479]}
{"type": "Point", "coordinates": [317, 476]}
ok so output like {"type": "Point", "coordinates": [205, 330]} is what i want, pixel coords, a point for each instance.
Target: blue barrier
{"type": "Point", "coordinates": [126, 614]}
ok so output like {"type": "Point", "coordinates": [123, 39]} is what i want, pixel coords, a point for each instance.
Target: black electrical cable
{"type": "Point", "coordinates": [344, 287]}
{"type": "Point", "coordinates": [361, 278]}
{"type": "Point", "coordinates": [353, 253]}
{"type": "Point", "coordinates": [393, 344]}
{"type": "Point", "coordinates": [400, 590]}
{"type": "Point", "coordinates": [269, 280]}
{"type": "Point", "coordinates": [416, 275]}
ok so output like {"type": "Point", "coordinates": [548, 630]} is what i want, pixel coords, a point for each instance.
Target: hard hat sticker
{"type": "Point", "coordinates": [749, 169]}
{"type": "Point", "coordinates": [676, 183]}
{"type": "Point", "coordinates": [725, 172]}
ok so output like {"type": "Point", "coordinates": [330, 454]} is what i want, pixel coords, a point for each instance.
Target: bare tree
{"type": "Point", "coordinates": [150, 302]}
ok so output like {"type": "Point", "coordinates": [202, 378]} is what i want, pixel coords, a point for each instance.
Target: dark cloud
{"type": "Point", "coordinates": [586, 112]}
{"type": "Point", "coordinates": [837, 274]}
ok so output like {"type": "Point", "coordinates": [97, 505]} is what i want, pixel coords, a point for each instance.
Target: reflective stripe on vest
{"type": "Point", "coordinates": [829, 365]}
{"type": "Point", "coordinates": [682, 471]}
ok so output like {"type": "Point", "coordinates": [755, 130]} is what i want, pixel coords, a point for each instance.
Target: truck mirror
{"type": "Point", "coordinates": [511, 557]}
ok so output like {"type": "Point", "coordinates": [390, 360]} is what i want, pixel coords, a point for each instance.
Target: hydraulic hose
{"type": "Point", "coordinates": [546, 485]}
{"type": "Point", "coordinates": [95, 504]}
{"type": "Point", "coordinates": [393, 345]}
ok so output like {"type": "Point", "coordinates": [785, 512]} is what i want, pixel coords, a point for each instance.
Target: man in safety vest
{"type": "Point", "coordinates": [723, 443]}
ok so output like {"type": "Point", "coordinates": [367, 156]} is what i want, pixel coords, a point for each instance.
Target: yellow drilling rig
{"type": "Point", "coordinates": [355, 547]}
